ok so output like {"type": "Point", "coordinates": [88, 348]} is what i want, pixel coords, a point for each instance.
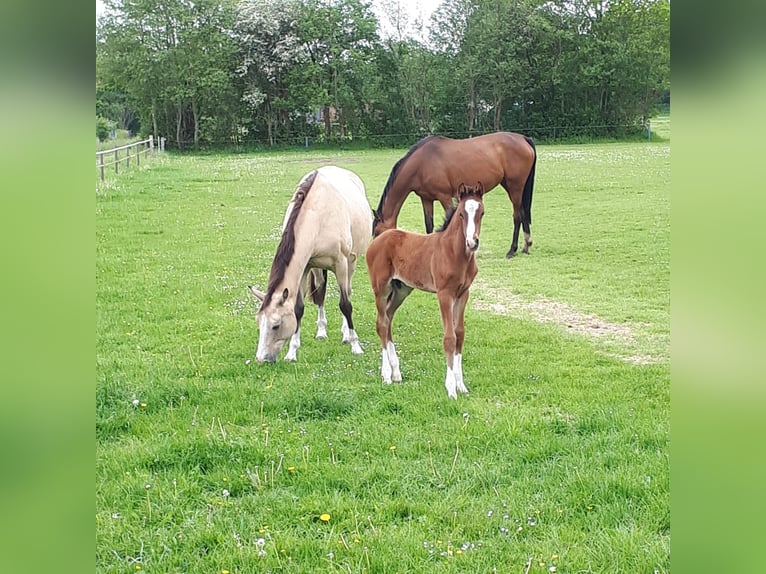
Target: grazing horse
{"type": "Point", "coordinates": [435, 166]}
{"type": "Point", "coordinates": [326, 226]}
{"type": "Point", "coordinates": [443, 263]}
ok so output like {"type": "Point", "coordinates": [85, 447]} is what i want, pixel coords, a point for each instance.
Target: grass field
{"type": "Point", "coordinates": [557, 460]}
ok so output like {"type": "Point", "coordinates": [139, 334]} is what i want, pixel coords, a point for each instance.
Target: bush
{"type": "Point", "coordinates": [102, 128]}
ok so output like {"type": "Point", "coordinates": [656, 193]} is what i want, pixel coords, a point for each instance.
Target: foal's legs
{"type": "Point", "coordinates": [344, 268]}
{"type": "Point", "coordinates": [446, 306]}
{"type": "Point", "coordinates": [458, 310]}
{"type": "Point", "coordinates": [388, 298]}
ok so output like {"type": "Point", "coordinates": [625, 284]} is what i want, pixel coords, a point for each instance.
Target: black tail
{"type": "Point", "coordinates": [526, 198]}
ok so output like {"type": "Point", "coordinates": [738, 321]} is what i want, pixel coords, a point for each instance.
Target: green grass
{"type": "Point", "coordinates": [559, 454]}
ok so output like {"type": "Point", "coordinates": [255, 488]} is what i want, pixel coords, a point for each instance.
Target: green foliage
{"type": "Point", "coordinates": [559, 453]}
{"type": "Point", "coordinates": [217, 72]}
{"type": "Point", "coordinates": [103, 128]}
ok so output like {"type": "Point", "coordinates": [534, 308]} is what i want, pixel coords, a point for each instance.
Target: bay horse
{"type": "Point", "coordinates": [327, 225]}
{"type": "Point", "coordinates": [435, 166]}
{"type": "Point", "coordinates": [443, 263]}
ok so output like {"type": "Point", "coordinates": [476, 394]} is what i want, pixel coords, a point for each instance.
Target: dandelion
{"type": "Point", "coordinates": [260, 542]}
{"type": "Point", "coordinates": [247, 362]}
{"type": "Point", "coordinates": [225, 493]}
{"type": "Point", "coordinates": [224, 572]}
{"type": "Point", "coordinates": [552, 569]}
{"type": "Point", "coordinates": [290, 469]}
{"type": "Point", "coordinates": [392, 448]}
{"type": "Point", "coordinates": [489, 513]}
{"type": "Point", "coordinates": [143, 405]}
{"type": "Point", "coordinates": [116, 515]}
{"type": "Point", "coordinates": [136, 402]}
{"type": "Point", "coordinates": [324, 517]}
{"type": "Point", "coordinates": [331, 555]}
{"type": "Point", "coordinates": [555, 557]}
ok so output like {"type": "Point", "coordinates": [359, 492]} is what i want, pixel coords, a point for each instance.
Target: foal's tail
{"type": "Point", "coordinates": [317, 286]}
{"type": "Point", "coordinates": [526, 198]}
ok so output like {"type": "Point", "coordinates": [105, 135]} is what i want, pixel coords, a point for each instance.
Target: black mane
{"type": "Point", "coordinates": [395, 171]}
{"type": "Point", "coordinates": [286, 247]}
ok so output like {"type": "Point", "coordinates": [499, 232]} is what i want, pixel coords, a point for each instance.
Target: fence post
{"type": "Point", "coordinates": [151, 143]}
{"type": "Point", "coordinates": [116, 161]}
{"type": "Point", "coordinates": [649, 130]}
{"type": "Point", "coordinates": [139, 147]}
{"type": "Point", "coordinates": [101, 165]}
{"type": "Point", "coordinates": [162, 144]}
{"type": "Point", "coordinates": [127, 156]}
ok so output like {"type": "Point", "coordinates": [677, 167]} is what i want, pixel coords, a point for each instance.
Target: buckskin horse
{"type": "Point", "coordinates": [435, 166]}
{"type": "Point", "coordinates": [443, 263]}
{"type": "Point", "coordinates": [327, 226]}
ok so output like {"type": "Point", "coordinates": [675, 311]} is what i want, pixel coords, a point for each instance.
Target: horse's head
{"type": "Point", "coordinates": [276, 322]}
{"type": "Point", "coordinates": [471, 210]}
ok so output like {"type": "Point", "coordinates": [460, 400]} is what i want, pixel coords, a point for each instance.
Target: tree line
{"type": "Point", "coordinates": [221, 72]}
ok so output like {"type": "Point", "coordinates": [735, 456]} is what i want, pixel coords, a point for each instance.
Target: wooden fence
{"type": "Point", "coordinates": [115, 157]}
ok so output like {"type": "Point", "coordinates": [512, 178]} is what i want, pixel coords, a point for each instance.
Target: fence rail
{"type": "Point", "coordinates": [142, 147]}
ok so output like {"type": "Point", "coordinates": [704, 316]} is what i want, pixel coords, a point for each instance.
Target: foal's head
{"type": "Point", "coordinates": [470, 210]}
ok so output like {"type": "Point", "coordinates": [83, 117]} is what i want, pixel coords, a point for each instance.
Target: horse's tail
{"type": "Point", "coordinates": [526, 198]}
{"type": "Point", "coordinates": [317, 286]}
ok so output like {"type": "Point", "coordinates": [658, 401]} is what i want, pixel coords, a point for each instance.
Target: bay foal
{"type": "Point", "coordinates": [443, 263]}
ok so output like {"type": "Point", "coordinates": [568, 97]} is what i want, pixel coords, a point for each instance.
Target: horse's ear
{"type": "Point", "coordinates": [461, 190]}
{"type": "Point", "coordinates": [479, 189]}
{"type": "Point", "coordinates": [260, 295]}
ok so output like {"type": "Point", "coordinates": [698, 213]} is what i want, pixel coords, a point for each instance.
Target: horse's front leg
{"type": "Point", "coordinates": [446, 303]}
{"type": "Point", "coordinates": [428, 214]}
{"type": "Point", "coordinates": [295, 340]}
{"type": "Point", "coordinates": [343, 275]}
{"type": "Point", "coordinates": [458, 311]}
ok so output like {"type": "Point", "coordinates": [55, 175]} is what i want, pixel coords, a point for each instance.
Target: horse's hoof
{"type": "Point", "coordinates": [510, 254]}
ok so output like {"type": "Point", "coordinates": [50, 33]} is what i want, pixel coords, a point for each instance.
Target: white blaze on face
{"type": "Point", "coordinates": [261, 353]}
{"type": "Point", "coordinates": [471, 209]}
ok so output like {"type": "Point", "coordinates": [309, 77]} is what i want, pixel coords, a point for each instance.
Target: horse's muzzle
{"type": "Point", "coordinates": [266, 359]}
{"type": "Point", "coordinates": [472, 245]}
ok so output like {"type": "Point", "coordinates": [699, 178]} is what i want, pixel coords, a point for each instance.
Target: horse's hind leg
{"type": "Point", "coordinates": [318, 291]}
{"type": "Point", "coordinates": [399, 293]}
{"type": "Point", "coordinates": [343, 271]}
{"type": "Point", "coordinates": [518, 217]}
{"type": "Point", "coordinates": [383, 327]}
{"type": "Point", "coordinates": [527, 234]}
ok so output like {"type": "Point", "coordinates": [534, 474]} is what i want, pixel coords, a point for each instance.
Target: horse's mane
{"type": "Point", "coordinates": [395, 170]}
{"type": "Point", "coordinates": [286, 247]}
{"type": "Point", "coordinates": [451, 211]}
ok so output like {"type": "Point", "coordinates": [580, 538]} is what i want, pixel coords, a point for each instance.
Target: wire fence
{"type": "Point", "coordinates": [543, 135]}
{"type": "Point", "coordinates": [126, 153]}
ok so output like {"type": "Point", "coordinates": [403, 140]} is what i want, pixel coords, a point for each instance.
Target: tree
{"type": "Point", "coordinates": [270, 50]}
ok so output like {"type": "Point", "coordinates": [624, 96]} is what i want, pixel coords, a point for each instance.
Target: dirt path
{"type": "Point", "coordinates": [628, 342]}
